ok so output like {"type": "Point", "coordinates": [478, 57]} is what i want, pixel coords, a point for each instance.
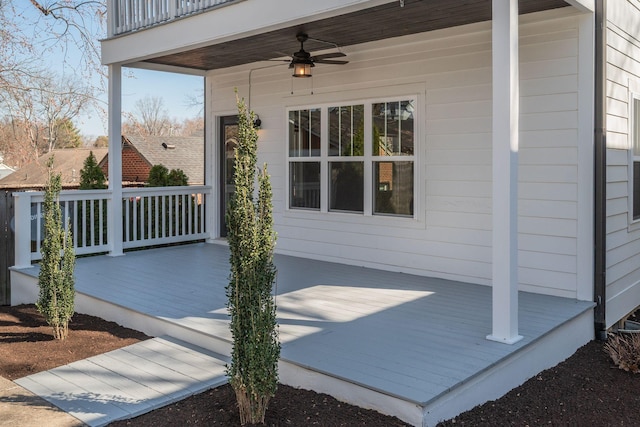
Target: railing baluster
{"type": "Point", "coordinates": [131, 15]}
{"type": "Point", "coordinates": [92, 229]}
{"type": "Point", "coordinates": [71, 221]}
{"type": "Point", "coordinates": [100, 223]}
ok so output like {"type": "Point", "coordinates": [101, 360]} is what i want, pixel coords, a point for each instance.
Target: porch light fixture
{"type": "Point", "coordinates": [302, 67]}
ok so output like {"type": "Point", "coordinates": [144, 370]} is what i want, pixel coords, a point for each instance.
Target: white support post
{"type": "Point", "coordinates": [506, 100]}
{"type": "Point", "coordinates": [22, 230]}
{"type": "Point", "coordinates": [211, 166]}
{"type": "Point", "coordinates": [114, 213]}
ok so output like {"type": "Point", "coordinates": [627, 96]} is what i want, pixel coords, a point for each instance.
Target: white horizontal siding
{"type": "Point", "coordinates": [450, 71]}
{"type": "Point", "coordinates": [623, 238]}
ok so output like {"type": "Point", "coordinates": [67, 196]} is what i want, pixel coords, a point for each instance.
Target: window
{"type": "Point", "coordinates": [304, 146]}
{"type": "Point", "coordinates": [393, 136]}
{"type": "Point", "coordinates": [355, 158]}
{"type": "Point", "coordinates": [635, 155]}
{"type": "Point", "coordinates": [346, 166]}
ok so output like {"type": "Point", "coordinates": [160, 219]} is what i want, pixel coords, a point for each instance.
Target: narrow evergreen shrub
{"type": "Point", "coordinates": [253, 372]}
{"type": "Point", "coordinates": [56, 281]}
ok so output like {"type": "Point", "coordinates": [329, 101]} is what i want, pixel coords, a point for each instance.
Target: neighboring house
{"type": "Point", "coordinates": [68, 162]}
{"type": "Point", "coordinates": [4, 169]}
{"type": "Point", "coordinates": [140, 153]}
{"type": "Point", "coordinates": [489, 142]}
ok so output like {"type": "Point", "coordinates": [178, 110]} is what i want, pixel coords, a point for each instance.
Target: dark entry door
{"type": "Point", "coordinates": [228, 140]}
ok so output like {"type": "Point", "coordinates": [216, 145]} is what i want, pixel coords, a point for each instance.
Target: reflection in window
{"type": "Point", "coordinates": [635, 153]}
{"type": "Point", "coordinates": [304, 133]}
{"type": "Point", "coordinates": [346, 186]}
{"type": "Point", "coordinates": [393, 128]}
{"type": "Point", "coordinates": [346, 131]}
{"type": "Point", "coordinates": [304, 185]}
{"type": "Point", "coordinates": [393, 191]}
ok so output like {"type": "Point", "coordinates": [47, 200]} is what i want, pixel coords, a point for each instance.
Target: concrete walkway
{"type": "Point", "coordinates": [20, 407]}
{"type": "Point", "coordinates": [123, 383]}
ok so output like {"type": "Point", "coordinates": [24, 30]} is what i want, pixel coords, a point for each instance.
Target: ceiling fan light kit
{"type": "Point", "coordinates": [302, 69]}
{"type": "Point", "coordinates": [302, 61]}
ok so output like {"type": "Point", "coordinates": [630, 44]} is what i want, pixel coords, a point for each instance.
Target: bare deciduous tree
{"type": "Point", "coordinates": [151, 116]}
{"type": "Point", "coordinates": [30, 33]}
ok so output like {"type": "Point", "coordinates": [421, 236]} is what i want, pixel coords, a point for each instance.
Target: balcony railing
{"type": "Point", "coordinates": [130, 15]}
{"type": "Point", "coordinates": [150, 216]}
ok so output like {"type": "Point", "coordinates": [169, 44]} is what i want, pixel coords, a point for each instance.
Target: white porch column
{"type": "Point", "coordinates": [506, 99]}
{"type": "Point", "coordinates": [114, 214]}
{"type": "Point", "coordinates": [211, 170]}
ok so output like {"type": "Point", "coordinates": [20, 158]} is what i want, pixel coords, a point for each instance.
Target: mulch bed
{"type": "Point", "coordinates": [586, 389]}
{"type": "Point", "coordinates": [27, 345]}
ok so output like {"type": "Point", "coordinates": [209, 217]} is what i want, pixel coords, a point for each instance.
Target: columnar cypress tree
{"type": "Point", "coordinates": [253, 372]}
{"type": "Point", "coordinates": [56, 281]}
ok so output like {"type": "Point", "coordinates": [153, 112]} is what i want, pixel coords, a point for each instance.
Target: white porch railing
{"type": "Point", "coordinates": [130, 15]}
{"type": "Point", "coordinates": [150, 216]}
{"type": "Point", "coordinates": [154, 216]}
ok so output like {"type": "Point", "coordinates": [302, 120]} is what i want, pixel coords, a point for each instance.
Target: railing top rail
{"type": "Point", "coordinates": [186, 189]}
{"type": "Point", "coordinates": [65, 195]}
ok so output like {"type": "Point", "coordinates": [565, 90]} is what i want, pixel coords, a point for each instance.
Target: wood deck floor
{"type": "Point", "coordinates": [408, 337]}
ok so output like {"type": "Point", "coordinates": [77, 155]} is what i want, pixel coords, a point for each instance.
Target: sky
{"type": "Point", "coordinates": [176, 90]}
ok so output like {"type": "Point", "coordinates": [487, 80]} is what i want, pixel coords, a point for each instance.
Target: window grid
{"type": "Point", "coordinates": [339, 153]}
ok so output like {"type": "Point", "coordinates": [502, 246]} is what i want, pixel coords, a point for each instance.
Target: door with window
{"type": "Point", "coordinates": [228, 139]}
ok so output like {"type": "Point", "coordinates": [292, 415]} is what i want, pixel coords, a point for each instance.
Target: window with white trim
{"type": "Point", "coordinates": [635, 155]}
{"type": "Point", "coordinates": [353, 158]}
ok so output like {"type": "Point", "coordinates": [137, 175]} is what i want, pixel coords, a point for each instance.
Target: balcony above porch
{"type": "Point", "coordinates": [202, 35]}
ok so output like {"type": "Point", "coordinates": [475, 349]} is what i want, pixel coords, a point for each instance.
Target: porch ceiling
{"type": "Point", "coordinates": [376, 23]}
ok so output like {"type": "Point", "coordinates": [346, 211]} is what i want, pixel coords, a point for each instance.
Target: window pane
{"type": "Point", "coordinates": [304, 185]}
{"type": "Point", "coordinates": [636, 190]}
{"type": "Point", "coordinates": [346, 131]}
{"type": "Point", "coordinates": [346, 186]}
{"type": "Point", "coordinates": [393, 128]}
{"type": "Point", "coordinates": [304, 133]}
{"type": "Point", "coordinates": [393, 192]}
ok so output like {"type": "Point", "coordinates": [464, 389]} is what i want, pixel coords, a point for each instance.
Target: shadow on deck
{"type": "Point", "coordinates": [409, 346]}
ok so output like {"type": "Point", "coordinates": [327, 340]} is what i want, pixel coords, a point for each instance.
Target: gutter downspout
{"type": "Point", "coordinates": [600, 174]}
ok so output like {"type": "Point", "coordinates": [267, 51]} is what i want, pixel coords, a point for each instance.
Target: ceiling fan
{"type": "Point", "coordinates": [302, 61]}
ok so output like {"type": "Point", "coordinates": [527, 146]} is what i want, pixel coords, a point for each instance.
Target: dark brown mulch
{"type": "Point", "coordinates": [586, 389]}
{"type": "Point", "coordinates": [289, 407]}
{"type": "Point", "coordinates": [27, 345]}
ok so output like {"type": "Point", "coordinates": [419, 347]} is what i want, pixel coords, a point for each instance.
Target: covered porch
{"type": "Point", "coordinates": [410, 346]}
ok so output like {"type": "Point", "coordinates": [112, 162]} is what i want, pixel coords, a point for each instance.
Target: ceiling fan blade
{"type": "Point", "coordinates": [328, 55]}
{"type": "Point", "coordinates": [331, 61]}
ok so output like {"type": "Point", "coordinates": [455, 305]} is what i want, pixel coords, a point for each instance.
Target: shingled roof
{"type": "Point", "coordinates": [67, 162]}
{"type": "Point", "coordinates": [173, 152]}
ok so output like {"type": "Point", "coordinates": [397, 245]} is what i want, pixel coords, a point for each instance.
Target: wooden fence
{"type": "Point", "coordinates": [6, 245]}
